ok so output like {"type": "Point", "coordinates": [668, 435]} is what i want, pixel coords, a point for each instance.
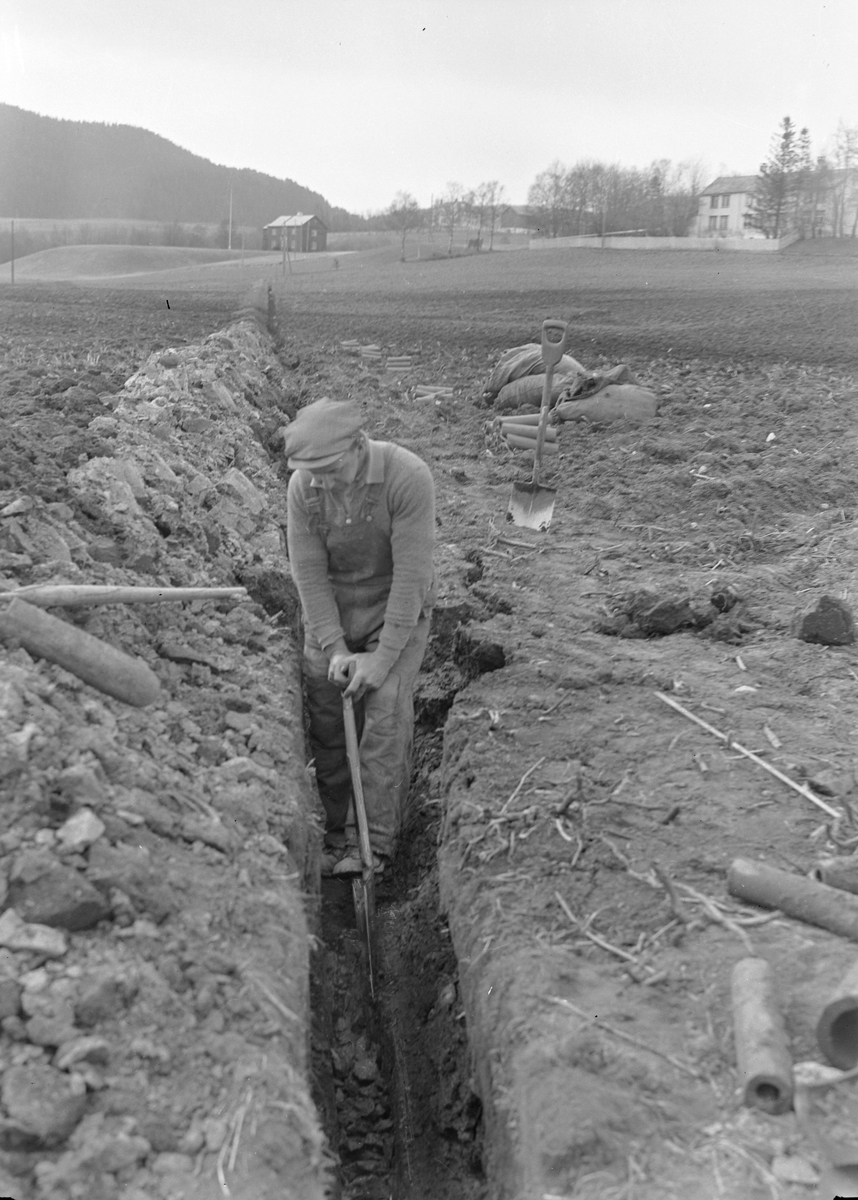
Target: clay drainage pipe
{"type": "Point", "coordinates": [837, 1027]}
{"type": "Point", "coordinates": [762, 1051]}
{"type": "Point", "coordinates": [795, 895]}
{"type": "Point", "coordinates": [95, 662]}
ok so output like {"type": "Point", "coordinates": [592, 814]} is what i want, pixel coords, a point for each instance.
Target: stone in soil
{"type": "Point", "coordinates": [831, 623]}
{"type": "Point", "coordinates": [16, 934]}
{"type": "Point", "coordinates": [43, 1107]}
{"type": "Point", "coordinates": [58, 896]}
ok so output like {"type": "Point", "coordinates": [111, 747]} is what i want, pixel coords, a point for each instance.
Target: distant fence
{"type": "Point", "coordinates": [764, 245]}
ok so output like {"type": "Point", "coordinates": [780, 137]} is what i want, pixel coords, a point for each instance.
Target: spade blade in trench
{"type": "Point", "coordinates": [363, 896]}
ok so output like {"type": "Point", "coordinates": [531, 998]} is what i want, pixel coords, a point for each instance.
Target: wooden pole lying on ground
{"type": "Point", "coordinates": [795, 895]}
{"type": "Point", "coordinates": [762, 1049]}
{"type": "Point", "coordinates": [66, 595]}
{"type": "Point", "coordinates": [802, 789]}
{"type": "Point", "coordinates": [93, 661]}
{"type": "Point", "coordinates": [837, 1027]}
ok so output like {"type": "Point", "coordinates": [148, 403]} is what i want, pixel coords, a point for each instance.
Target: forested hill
{"type": "Point", "coordinates": [66, 169]}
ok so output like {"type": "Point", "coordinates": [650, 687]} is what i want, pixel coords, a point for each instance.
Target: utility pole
{"type": "Point", "coordinates": [13, 250]}
{"type": "Point", "coordinates": [229, 236]}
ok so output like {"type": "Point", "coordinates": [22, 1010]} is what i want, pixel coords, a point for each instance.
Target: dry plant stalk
{"type": "Point", "coordinates": [270, 997]}
{"type": "Point", "coordinates": [521, 784]}
{"type": "Point", "coordinates": [626, 1037]}
{"type": "Point", "coordinates": [719, 917]}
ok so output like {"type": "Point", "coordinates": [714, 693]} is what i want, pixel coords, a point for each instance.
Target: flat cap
{"type": "Point", "coordinates": [321, 432]}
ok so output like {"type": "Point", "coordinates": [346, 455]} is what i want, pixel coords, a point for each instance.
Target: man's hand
{"type": "Point", "coordinates": [358, 673]}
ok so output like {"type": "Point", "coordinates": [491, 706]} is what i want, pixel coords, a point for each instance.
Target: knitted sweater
{"type": "Point", "coordinates": [361, 557]}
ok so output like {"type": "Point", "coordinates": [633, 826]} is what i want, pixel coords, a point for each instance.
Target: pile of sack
{"type": "Point", "coordinates": [516, 382]}
{"type": "Point", "coordinates": [515, 386]}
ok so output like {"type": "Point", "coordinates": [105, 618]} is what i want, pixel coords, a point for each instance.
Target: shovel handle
{"type": "Point", "coordinates": [353, 754]}
{"type": "Point", "coordinates": [554, 337]}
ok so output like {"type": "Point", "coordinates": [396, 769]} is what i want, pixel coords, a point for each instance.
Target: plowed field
{"type": "Point", "coordinates": [585, 827]}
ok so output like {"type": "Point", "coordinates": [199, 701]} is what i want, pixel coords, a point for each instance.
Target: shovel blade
{"type": "Point", "coordinates": [531, 506]}
{"type": "Point", "coordinates": [363, 896]}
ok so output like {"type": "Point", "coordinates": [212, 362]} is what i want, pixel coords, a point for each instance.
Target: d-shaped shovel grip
{"type": "Point", "coordinates": [554, 334]}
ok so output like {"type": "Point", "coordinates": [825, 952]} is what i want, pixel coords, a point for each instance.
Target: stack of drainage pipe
{"type": "Point", "coordinates": [430, 392]}
{"type": "Point", "coordinates": [520, 432]}
{"type": "Point", "coordinates": [814, 900]}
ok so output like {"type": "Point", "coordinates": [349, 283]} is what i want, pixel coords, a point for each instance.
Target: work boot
{"type": "Point", "coordinates": [350, 863]}
{"type": "Point", "coordinates": [331, 857]}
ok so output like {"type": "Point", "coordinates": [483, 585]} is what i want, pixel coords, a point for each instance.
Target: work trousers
{"type": "Point", "coordinates": [385, 727]}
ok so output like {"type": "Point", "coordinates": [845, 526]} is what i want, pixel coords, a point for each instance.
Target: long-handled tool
{"type": "Point", "coordinates": [363, 885]}
{"type": "Point", "coordinates": [532, 505]}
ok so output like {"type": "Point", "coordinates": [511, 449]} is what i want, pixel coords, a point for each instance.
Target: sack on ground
{"type": "Point", "coordinates": [526, 360]}
{"type": "Point", "coordinates": [528, 391]}
{"type": "Point", "coordinates": [616, 402]}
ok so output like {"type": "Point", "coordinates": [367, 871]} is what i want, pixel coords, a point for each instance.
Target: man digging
{"type": "Point", "coordinates": [361, 531]}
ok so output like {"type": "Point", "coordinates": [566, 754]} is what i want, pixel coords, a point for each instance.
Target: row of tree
{"type": "Point", "coordinates": [593, 197]}
{"type": "Point", "coordinates": [588, 198]}
{"type": "Point", "coordinates": [811, 195]}
{"type": "Point", "coordinates": [793, 190]}
{"type": "Point", "coordinates": [477, 210]}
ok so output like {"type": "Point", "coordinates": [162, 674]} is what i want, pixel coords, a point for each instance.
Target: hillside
{"type": "Point", "coordinates": [83, 169]}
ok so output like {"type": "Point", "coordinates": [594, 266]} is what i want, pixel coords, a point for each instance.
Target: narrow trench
{"type": "Point", "coordinates": [392, 1076]}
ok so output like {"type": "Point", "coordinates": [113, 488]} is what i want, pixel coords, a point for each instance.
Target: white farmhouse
{"type": "Point", "coordinates": [724, 206]}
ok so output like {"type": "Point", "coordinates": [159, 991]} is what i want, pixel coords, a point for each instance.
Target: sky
{"type": "Point", "coordinates": [362, 99]}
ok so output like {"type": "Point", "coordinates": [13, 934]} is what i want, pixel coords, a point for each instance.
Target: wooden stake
{"type": "Point", "coordinates": [66, 595]}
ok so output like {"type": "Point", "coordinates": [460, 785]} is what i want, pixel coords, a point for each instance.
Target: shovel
{"type": "Point", "coordinates": [363, 885]}
{"type": "Point", "coordinates": [530, 504]}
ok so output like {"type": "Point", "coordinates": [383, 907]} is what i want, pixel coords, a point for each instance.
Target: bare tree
{"type": "Point", "coordinates": [452, 210]}
{"type": "Point", "coordinates": [675, 190]}
{"type": "Point", "coordinates": [476, 200]}
{"type": "Point", "coordinates": [404, 215]}
{"type": "Point", "coordinates": [547, 194]}
{"type": "Point", "coordinates": [493, 195]}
